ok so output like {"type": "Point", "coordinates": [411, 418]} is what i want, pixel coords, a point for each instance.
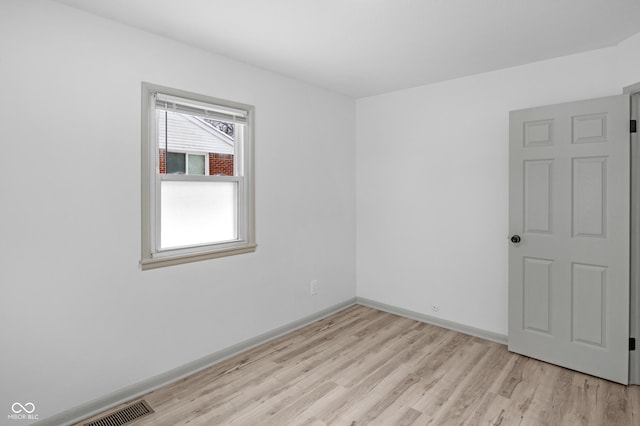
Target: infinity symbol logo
{"type": "Point", "coordinates": [28, 408]}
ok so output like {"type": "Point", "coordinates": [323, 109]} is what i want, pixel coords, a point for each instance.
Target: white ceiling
{"type": "Point", "coordinates": [367, 47]}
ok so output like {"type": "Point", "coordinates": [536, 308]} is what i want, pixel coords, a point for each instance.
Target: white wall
{"type": "Point", "coordinates": [432, 181]}
{"type": "Point", "coordinates": [629, 60]}
{"type": "Point", "coordinates": [79, 319]}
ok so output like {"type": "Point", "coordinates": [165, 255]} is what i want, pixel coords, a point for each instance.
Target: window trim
{"type": "Point", "coordinates": [151, 257]}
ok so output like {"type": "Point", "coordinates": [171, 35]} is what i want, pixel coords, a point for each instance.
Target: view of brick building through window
{"type": "Point", "coordinates": [195, 146]}
{"type": "Point", "coordinates": [219, 164]}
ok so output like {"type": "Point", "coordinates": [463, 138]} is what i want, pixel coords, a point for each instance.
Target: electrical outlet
{"type": "Point", "coordinates": [314, 288]}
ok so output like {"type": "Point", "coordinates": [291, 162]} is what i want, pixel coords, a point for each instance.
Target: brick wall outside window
{"type": "Point", "coordinates": [220, 164]}
{"type": "Point", "coordinates": [163, 161]}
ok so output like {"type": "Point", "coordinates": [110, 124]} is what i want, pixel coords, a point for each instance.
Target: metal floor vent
{"type": "Point", "coordinates": [124, 415]}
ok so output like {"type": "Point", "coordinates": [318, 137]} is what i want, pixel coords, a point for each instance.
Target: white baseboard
{"type": "Point", "coordinates": [139, 389]}
{"type": "Point", "coordinates": [477, 332]}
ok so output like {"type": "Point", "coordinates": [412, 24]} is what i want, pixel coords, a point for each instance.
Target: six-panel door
{"type": "Point", "coordinates": [569, 202]}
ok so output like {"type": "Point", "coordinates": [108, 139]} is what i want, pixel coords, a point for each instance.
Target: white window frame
{"type": "Point", "coordinates": [152, 255]}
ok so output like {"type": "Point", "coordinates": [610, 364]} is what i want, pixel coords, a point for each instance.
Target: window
{"type": "Point", "coordinates": [197, 177]}
{"type": "Point", "coordinates": [183, 163]}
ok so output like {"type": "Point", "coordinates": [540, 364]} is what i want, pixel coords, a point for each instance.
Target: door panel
{"type": "Point", "coordinates": [588, 294]}
{"type": "Point", "coordinates": [537, 295]}
{"type": "Point", "coordinates": [537, 195]}
{"type": "Point", "coordinates": [589, 191]}
{"type": "Point", "coordinates": [569, 185]}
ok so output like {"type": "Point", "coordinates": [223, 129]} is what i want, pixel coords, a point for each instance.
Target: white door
{"type": "Point", "coordinates": [569, 201]}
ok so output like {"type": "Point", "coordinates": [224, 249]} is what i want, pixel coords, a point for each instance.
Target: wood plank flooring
{"type": "Point", "coordinates": [363, 366]}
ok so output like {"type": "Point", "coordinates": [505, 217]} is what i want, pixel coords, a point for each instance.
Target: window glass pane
{"type": "Point", "coordinates": [175, 163]}
{"type": "Point", "coordinates": [213, 139]}
{"type": "Point", "coordinates": [196, 164]}
{"type": "Point", "coordinates": [198, 213]}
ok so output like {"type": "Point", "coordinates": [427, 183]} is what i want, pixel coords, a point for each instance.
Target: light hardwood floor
{"type": "Point", "coordinates": [363, 366]}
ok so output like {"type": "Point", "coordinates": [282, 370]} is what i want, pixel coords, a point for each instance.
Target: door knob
{"type": "Point", "coordinates": [515, 239]}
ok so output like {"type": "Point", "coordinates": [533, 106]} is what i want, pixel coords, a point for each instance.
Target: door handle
{"type": "Point", "coordinates": [515, 239]}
